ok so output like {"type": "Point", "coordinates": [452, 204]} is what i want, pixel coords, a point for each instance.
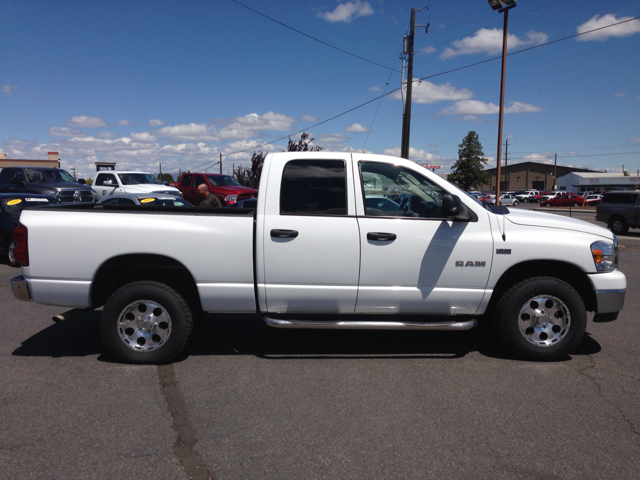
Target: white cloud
{"type": "Point", "coordinates": [85, 122]}
{"type": "Point", "coordinates": [190, 131]}
{"type": "Point", "coordinates": [310, 118]}
{"type": "Point", "coordinates": [427, 50]}
{"type": "Point", "coordinates": [248, 126]}
{"type": "Point", "coordinates": [331, 140]}
{"type": "Point", "coordinates": [472, 118]}
{"type": "Point", "coordinates": [623, 30]}
{"type": "Point", "coordinates": [107, 135]}
{"type": "Point", "coordinates": [9, 89]}
{"type": "Point", "coordinates": [414, 154]}
{"type": "Point", "coordinates": [477, 107]}
{"type": "Point", "coordinates": [375, 88]}
{"type": "Point", "coordinates": [619, 94]}
{"type": "Point", "coordinates": [143, 137]}
{"type": "Point", "coordinates": [156, 122]}
{"type": "Point", "coordinates": [489, 41]}
{"type": "Point", "coordinates": [356, 128]}
{"type": "Point", "coordinates": [65, 132]}
{"type": "Point", "coordinates": [346, 11]}
{"type": "Point", "coordinates": [123, 123]}
{"type": "Point", "coordinates": [427, 92]}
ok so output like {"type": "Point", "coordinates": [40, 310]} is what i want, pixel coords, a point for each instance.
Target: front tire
{"type": "Point", "coordinates": [541, 318]}
{"type": "Point", "coordinates": [146, 322]}
{"type": "Point", "coordinates": [516, 203]}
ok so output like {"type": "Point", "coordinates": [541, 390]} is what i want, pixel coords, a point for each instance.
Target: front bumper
{"type": "Point", "coordinates": [20, 288]}
{"type": "Point", "coordinates": [610, 289]}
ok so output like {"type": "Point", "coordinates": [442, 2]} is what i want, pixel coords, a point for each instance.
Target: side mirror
{"type": "Point", "coordinates": [108, 182]}
{"type": "Point", "coordinates": [453, 207]}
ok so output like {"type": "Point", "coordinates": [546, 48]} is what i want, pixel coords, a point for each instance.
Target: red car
{"type": "Point", "coordinates": [225, 187]}
{"type": "Point", "coordinates": [566, 200]}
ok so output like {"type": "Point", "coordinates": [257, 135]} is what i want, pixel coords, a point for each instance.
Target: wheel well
{"type": "Point", "coordinates": [119, 271]}
{"type": "Point", "coordinates": [545, 268]}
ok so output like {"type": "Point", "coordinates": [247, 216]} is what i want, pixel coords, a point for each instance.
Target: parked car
{"type": "Point", "coordinates": [619, 210]}
{"type": "Point", "coordinates": [566, 200]}
{"type": "Point", "coordinates": [146, 199]}
{"type": "Point", "coordinates": [247, 203]}
{"type": "Point", "coordinates": [506, 199]}
{"type": "Point", "coordinates": [110, 182]}
{"type": "Point", "coordinates": [225, 187]}
{"type": "Point", "coordinates": [528, 196]}
{"type": "Point", "coordinates": [11, 205]}
{"type": "Point", "coordinates": [592, 200]}
{"type": "Point", "coordinates": [53, 182]}
{"type": "Point", "coordinates": [549, 195]}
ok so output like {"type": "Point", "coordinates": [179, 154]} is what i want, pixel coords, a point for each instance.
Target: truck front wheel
{"type": "Point", "coordinates": [541, 318]}
{"type": "Point", "coordinates": [146, 322]}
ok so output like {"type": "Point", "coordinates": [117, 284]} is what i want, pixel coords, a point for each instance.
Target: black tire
{"type": "Point", "coordinates": [11, 260]}
{"type": "Point", "coordinates": [542, 318]}
{"type": "Point", "coordinates": [136, 335]}
{"type": "Point", "coordinates": [516, 203]}
{"type": "Point", "coordinates": [618, 225]}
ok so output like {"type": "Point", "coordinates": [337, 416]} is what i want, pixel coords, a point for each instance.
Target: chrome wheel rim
{"type": "Point", "coordinates": [144, 325]}
{"type": "Point", "coordinates": [544, 320]}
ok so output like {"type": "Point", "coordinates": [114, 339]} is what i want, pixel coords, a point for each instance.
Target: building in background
{"type": "Point", "coordinates": [528, 176]}
{"type": "Point", "coordinates": [580, 182]}
{"type": "Point", "coordinates": [52, 161]}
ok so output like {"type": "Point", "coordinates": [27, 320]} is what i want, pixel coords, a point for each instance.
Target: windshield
{"type": "Point", "coordinates": [11, 207]}
{"type": "Point", "coordinates": [222, 180]}
{"type": "Point", "coordinates": [138, 179]}
{"type": "Point", "coordinates": [48, 175]}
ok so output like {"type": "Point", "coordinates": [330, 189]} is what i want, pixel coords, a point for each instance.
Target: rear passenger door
{"type": "Point", "coordinates": [309, 251]}
{"type": "Point", "coordinates": [189, 193]}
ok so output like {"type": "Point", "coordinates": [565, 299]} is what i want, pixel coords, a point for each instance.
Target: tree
{"type": "Point", "coordinates": [468, 171]}
{"type": "Point", "coordinates": [250, 176]}
{"type": "Point", "coordinates": [166, 177]}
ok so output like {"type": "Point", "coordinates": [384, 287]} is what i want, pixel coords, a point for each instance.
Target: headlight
{"type": "Point", "coordinates": [231, 198]}
{"type": "Point", "coordinates": [605, 255]}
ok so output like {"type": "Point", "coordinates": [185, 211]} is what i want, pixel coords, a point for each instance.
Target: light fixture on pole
{"type": "Point", "coordinates": [502, 6]}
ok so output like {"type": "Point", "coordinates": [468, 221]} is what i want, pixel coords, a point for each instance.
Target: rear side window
{"type": "Point", "coordinates": [623, 198]}
{"type": "Point", "coordinates": [186, 180]}
{"type": "Point", "coordinates": [314, 187]}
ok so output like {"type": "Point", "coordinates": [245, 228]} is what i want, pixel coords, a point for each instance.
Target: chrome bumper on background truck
{"type": "Point", "coordinates": [20, 289]}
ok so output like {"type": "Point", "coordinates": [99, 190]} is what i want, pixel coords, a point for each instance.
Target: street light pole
{"type": "Point", "coordinates": [502, 6]}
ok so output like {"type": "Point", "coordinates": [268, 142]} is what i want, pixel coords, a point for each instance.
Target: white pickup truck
{"type": "Point", "coordinates": [338, 240]}
{"type": "Point", "coordinates": [110, 182]}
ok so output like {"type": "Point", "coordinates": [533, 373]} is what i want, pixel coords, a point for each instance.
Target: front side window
{"type": "Point", "coordinates": [107, 179]}
{"type": "Point", "coordinates": [391, 190]}
{"type": "Point", "coordinates": [199, 180]}
{"type": "Point", "coordinates": [314, 187]}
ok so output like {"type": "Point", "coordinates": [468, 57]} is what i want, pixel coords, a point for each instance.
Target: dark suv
{"type": "Point", "coordinates": [54, 182]}
{"type": "Point", "coordinates": [619, 210]}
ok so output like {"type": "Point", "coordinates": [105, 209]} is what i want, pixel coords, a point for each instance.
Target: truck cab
{"type": "Point", "coordinates": [225, 187]}
{"type": "Point", "coordinates": [111, 182]}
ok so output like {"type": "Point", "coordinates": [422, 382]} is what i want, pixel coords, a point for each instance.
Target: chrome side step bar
{"type": "Point", "coordinates": [370, 325]}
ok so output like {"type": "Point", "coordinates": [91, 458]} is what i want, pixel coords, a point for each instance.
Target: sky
{"type": "Point", "coordinates": [174, 84]}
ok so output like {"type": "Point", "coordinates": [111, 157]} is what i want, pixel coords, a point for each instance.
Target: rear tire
{"type": "Point", "coordinates": [618, 225]}
{"type": "Point", "coordinates": [146, 322]}
{"type": "Point", "coordinates": [11, 259]}
{"type": "Point", "coordinates": [541, 318]}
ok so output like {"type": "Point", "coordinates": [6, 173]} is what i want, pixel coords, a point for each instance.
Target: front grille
{"type": "Point", "coordinates": [75, 196]}
{"type": "Point", "coordinates": [244, 196]}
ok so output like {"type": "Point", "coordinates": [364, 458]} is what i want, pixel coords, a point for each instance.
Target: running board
{"type": "Point", "coordinates": [370, 325]}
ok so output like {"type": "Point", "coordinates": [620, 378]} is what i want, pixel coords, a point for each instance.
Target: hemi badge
{"type": "Point", "coordinates": [503, 251]}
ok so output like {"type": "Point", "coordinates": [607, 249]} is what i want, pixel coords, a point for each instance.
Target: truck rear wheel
{"type": "Point", "coordinates": [541, 318]}
{"type": "Point", "coordinates": [146, 322]}
{"type": "Point", "coordinates": [618, 225]}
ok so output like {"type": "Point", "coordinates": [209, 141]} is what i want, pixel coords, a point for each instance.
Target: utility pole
{"type": "Point", "coordinates": [406, 116]}
{"type": "Point", "coordinates": [220, 162]}
{"type": "Point", "coordinates": [160, 165]}
{"type": "Point", "coordinates": [555, 173]}
{"type": "Point", "coordinates": [506, 163]}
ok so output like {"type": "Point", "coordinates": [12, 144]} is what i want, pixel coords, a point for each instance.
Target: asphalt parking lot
{"type": "Point", "coordinates": [246, 401]}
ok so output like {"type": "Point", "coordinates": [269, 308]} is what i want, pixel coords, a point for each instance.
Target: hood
{"type": "Point", "coordinates": [48, 186]}
{"type": "Point", "coordinates": [151, 188]}
{"type": "Point", "coordinates": [550, 220]}
{"type": "Point", "coordinates": [233, 190]}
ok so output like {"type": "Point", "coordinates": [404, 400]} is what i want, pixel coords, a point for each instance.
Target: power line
{"type": "Point", "coordinates": [314, 38]}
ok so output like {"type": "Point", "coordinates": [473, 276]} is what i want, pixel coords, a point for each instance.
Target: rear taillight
{"type": "Point", "coordinates": [21, 251]}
